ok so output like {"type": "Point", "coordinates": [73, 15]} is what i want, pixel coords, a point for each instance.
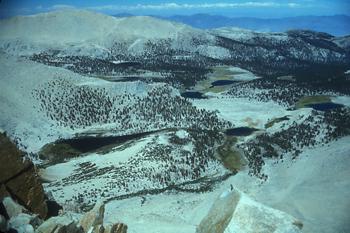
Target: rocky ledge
{"type": "Point", "coordinates": [19, 180]}
{"type": "Point", "coordinates": [235, 212]}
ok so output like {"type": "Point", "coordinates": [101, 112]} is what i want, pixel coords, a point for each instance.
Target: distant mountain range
{"type": "Point", "coordinates": [337, 25]}
{"type": "Point", "coordinates": [93, 43]}
{"type": "Point", "coordinates": [84, 41]}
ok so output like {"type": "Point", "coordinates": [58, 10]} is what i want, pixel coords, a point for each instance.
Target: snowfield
{"type": "Point", "coordinates": [241, 111]}
{"type": "Point", "coordinates": [117, 156]}
{"type": "Point", "coordinates": [21, 116]}
{"type": "Point", "coordinates": [345, 100]}
{"type": "Point", "coordinates": [241, 34]}
{"type": "Point", "coordinates": [87, 33]}
{"type": "Point", "coordinates": [314, 189]}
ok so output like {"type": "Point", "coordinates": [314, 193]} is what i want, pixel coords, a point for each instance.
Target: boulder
{"type": "Point", "coordinates": [94, 217]}
{"type": "Point", "coordinates": [220, 214]}
{"type": "Point", "coordinates": [29, 192]}
{"type": "Point", "coordinates": [11, 159]}
{"type": "Point", "coordinates": [118, 228]}
{"type": "Point", "coordinates": [12, 208]}
{"type": "Point", "coordinates": [36, 221]}
{"type": "Point", "coordinates": [18, 178]}
{"type": "Point", "coordinates": [98, 229]}
{"type": "Point", "coordinates": [73, 228]}
{"type": "Point", "coordinates": [59, 224]}
{"type": "Point", "coordinates": [235, 212]}
{"type": "Point", "coordinates": [24, 229]}
{"type": "Point", "coordinates": [21, 223]}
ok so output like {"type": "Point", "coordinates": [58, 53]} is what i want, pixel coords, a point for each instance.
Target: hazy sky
{"type": "Point", "coordinates": [250, 8]}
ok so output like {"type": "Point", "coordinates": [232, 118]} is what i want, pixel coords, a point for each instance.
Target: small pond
{"type": "Point", "coordinates": [222, 83]}
{"type": "Point", "coordinates": [240, 131]}
{"type": "Point", "coordinates": [193, 95]}
{"type": "Point", "coordinates": [126, 79]}
{"type": "Point", "coordinates": [325, 106]}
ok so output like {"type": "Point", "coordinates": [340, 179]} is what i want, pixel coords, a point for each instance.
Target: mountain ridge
{"type": "Point", "coordinates": [337, 25]}
{"type": "Point", "coordinates": [57, 39]}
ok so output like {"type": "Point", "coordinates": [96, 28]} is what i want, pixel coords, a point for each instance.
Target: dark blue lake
{"type": "Point", "coordinates": [240, 131]}
{"type": "Point", "coordinates": [325, 106]}
{"type": "Point", "coordinates": [193, 95]}
{"type": "Point", "coordinates": [87, 144]}
{"type": "Point", "coordinates": [222, 82]}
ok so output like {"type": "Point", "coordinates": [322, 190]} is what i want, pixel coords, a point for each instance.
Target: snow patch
{"type": "Point", "coordinates": [183, 134]}
{"type": "Point", "coordinates": [241, 111]}
{"type": "Point", "coordinates": [344, 100]}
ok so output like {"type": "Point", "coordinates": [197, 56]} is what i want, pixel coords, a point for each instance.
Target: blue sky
{"type": "Point", "coordinates": [237, 8]}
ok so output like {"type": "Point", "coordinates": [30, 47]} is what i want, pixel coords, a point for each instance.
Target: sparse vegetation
{"type": "Point", "coordinates": [169, 166]}
{"type": "Point", "coordinates": [316, 129]}
{"type": "Point", "coordinates": [283, 92]}
{"type": "Point", "coordinates": [74, 107]}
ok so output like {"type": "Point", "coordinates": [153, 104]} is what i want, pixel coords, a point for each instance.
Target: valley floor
{"type": "Point", "coordinates": [297, 159]}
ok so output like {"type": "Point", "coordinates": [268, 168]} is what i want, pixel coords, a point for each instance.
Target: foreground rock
{"type": "Point", "coordinates": [235, 212]}
{"type": "Point", "coordinates": [24, 204]}
{"type": "Point", "coordinates": [117, 228]}
{"type": "Point", "coordinates": [92, 221]}
{"type": "Point", "coordinates": [18, 179]}
{"type": "Point", "coordinates": [22, 223]}
{"type": "Point", "coordinates": [12, 208]}
{"type": "Point", "coordinates": [62, 224]}
{"type": "Point", "coordinates": [94, 218]}
{"type": "Point", "coordinates": [15, 218]}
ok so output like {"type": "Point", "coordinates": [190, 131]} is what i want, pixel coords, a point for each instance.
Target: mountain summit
{"type": "Point", "coordinates": [79, 26]}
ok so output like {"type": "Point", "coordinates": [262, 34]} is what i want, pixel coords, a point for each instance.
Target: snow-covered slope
{"type": "Point", "coordinates": [75, 26]}
{"type": "Point", "coordinates": [148, 27]}
{"type": "Point", "coordinates": [153, 165]}
{"type": "Point", "coordinates": [314, 188]}
{"type": "Point", "coordinates": [235, 212]}
{"type": "Point", "coordinates": [20, 114]}
{"type": "Point", "coordinates": [61, 27]}
{"type": "Point", "coordinates": [343, 42]}
{"type": "Point", "coordinates": [84, 30]}
{"type": "Point", "coordinates": [41, 104]}
{"type": "Point", "coordinates": [280, 48]}
{"type": "Point", "coordinates": [244, 35]}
